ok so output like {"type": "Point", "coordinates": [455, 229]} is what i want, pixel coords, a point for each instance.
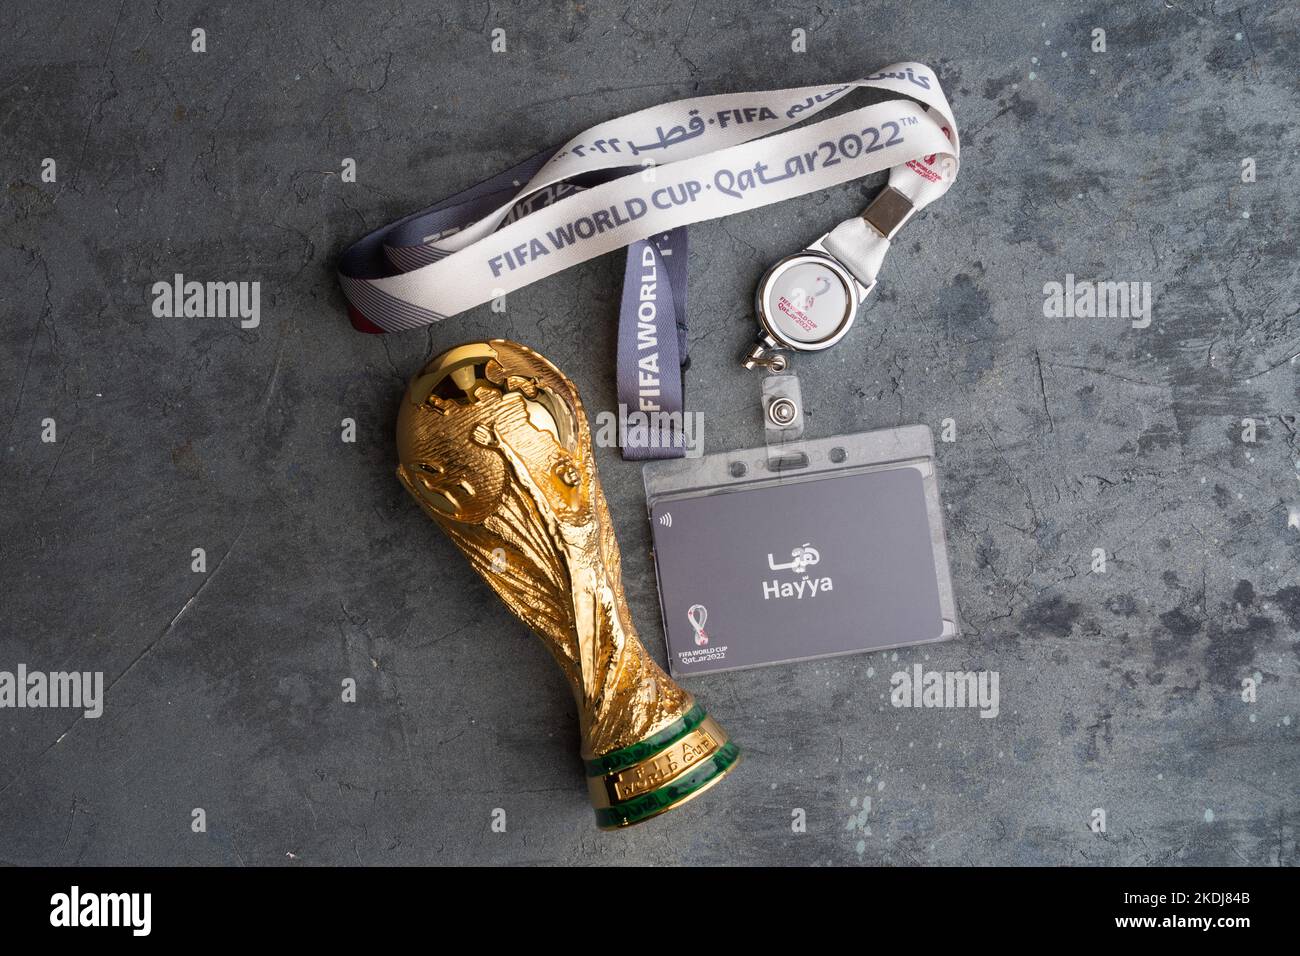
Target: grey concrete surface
{"type": "Point", "coordinates": [1120, 690]}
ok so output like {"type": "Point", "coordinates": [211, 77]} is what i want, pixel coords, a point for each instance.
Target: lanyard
{"type": "Point", "coordinates": [638, 181]}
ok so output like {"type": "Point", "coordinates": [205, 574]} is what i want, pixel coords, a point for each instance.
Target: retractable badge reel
{"type": "Point", "coordinates": [807, 302]}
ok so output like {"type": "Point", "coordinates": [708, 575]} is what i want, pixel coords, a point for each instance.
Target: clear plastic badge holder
{"type": "Point", "coordinates": [802, 548]}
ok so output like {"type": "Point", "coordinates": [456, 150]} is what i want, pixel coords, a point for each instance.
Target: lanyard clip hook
{"type": "Point", "coordinates": [765, 355]}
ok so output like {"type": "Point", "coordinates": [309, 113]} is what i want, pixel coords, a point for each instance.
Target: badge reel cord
{"type": "Point", "coordinates": [639, 181]}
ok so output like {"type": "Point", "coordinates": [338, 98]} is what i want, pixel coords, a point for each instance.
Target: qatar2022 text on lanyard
{"type": "Point", "coordinates": [639, 181]}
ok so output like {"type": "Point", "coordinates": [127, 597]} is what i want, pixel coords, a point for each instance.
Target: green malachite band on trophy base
{"type": "Point", "coordinates": [633, 754]}
{"type": "Point", "coordinates": [656, 801]}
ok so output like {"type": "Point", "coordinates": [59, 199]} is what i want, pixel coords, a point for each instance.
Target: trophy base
{"type": "Point", "coordinates": [634, 783]}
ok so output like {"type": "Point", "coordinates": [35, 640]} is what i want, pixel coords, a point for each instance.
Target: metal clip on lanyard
{"type": "Point", "coordinates": [808, 301]}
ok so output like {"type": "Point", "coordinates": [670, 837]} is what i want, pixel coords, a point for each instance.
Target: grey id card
{"type": "Point", "coordinates": [843, 554]}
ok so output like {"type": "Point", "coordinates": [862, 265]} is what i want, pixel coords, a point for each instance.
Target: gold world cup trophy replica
{"type": "Point", "coordinates": [494, 445]}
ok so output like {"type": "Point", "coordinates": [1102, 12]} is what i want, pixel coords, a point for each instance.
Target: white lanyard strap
{"type": "Point", "coordinates": [711, 156]}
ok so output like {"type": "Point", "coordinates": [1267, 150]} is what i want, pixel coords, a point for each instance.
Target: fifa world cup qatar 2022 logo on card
{"type": "Point", "coordinates": [697, 614]}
